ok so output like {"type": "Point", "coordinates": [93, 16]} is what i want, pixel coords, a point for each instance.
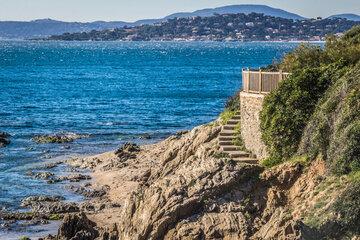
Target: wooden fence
{"type": "Point", "coordinates": [261, 82]}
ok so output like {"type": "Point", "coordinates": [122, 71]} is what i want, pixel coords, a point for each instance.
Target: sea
{"type": "Point", "coordinates": [111, 92]}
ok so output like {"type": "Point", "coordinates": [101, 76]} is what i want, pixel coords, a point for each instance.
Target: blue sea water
{"type": "Point", "coordinates": [113, 91]}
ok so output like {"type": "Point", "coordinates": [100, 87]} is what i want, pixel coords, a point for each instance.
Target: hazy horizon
{"type": "Point", "coordinates": [126, 10]}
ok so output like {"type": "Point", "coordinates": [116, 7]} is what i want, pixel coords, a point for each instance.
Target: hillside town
{"type": "Point", "coordinates": [226, 27]}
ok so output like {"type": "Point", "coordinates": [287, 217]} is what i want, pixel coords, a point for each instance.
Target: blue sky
{"type": "Point", "coordinates": [130, 10]}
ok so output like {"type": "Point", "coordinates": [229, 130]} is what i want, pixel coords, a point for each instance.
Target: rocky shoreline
{"type": "Point", "coordinates": [181, 188]}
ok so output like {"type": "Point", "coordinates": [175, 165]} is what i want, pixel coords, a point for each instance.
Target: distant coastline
{"type": "Point", "coordinates": [227, 27]}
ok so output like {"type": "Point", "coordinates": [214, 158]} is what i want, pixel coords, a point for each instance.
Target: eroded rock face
{"type": "Point", "coordinates": [191, 194]}
{"type": "Point", "coordinates": [181, 189]}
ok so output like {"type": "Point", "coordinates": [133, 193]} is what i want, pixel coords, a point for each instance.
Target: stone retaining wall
{"type": "Point", "coordinates": [251, 105]}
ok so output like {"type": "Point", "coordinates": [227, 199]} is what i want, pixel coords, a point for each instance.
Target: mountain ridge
{"type": "Point", "coordinates": [349, 16]}
{"type": "Point", "coordinates": [47, 27]}
{"type": "Point", "coordinates": [41, 28]}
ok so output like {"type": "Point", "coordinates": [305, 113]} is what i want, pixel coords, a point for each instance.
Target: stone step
{"type": "Point", "coordinates": [227, 133]}
{"type": "Point", "coordinates": [236, 117]}
{"type": "Point", "coordinates": [226, 148]}
{"type": "Point", "coordinates": [233, 121]}
{"type": "Point", "coordinates": [229, 127]}
{"type": "Point", "coordinates": [237, 154]}
{"type": "Point", "coordinates": [226, 138]}
{"type": "Point", "coordinates": [246, 160]}
{"type": "Point", "coordinates": [226, 143]}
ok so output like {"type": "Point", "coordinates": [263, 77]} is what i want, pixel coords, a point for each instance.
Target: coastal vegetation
{"type": "Point", "coordinates": [232, 106]}
{"type": "Point", "coordinates": [314, 114]}
{"type": "Point", "coordinates": [225, 27]}
{"type": "Point", "coordinates": [323, 82]}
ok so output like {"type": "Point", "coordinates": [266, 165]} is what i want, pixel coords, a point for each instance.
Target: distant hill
{"type": "Point", "coordinates": [48, 27]}
{"type": "Point", "coordinates": [348, 16]}
{"type": "Point", "coordinates": [225, 27]}
{"type": "Point", "coordinates": [234, 9]}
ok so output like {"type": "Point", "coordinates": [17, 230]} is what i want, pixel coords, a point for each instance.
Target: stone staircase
{"type": "Point", "coordinates": [226, 137]}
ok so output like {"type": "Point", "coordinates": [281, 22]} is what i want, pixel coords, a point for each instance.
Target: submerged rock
{"type": "Point", "coordinates": [12, 217]}
{"type": "Point", "coordinates": [41, 175]}
{"type": "Point", "coordinates": [54, 207]}
{"type": "Point", "coordinates": [4, 135]}
{"type": "Point", "coordinates": [52, 165]}
{"type": "Point", "coordinates": [74, 177]}
{"type": "Point", "coordinates": [29, 201]}
{"type": "Point", "coordinates": [145, 136]}
{"type": "Point", "coordinates": [58, 138]}
{"type": "Point", "coordinates": [4, 141]}
{"type": "Point", "coordinates": [49, 205]}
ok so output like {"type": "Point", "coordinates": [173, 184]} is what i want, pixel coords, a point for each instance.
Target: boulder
{"type": "Point", "coordinates": [77, 227]}
{"type": "Point", "coordinates": [127, 151]}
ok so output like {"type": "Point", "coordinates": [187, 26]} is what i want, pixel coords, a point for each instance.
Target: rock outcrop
{"type": "Point", "coordinates": [62, 137]}
{"type": "Point", "coordinates": [128, 150]}
{"type": "Point", "coordinates": [77, 227]}
{"type": "Point", "coordinates": [182, 188]}
{"type": "Point", "coordinates": [49, 205]}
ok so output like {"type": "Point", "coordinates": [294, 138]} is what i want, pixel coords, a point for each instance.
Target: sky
{"type": "Point", "coordinates": [131, 10]}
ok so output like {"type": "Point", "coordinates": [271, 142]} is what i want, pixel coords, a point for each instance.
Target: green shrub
{"type": "Point", "coordinates": [346, 48]}
{"type": "Point", "coordinates": [226, 115]}
{"type": "Point", "coordinates": [304, 56]}
{"type": "Point", "coordinates": [233, 102]}
{"type": "Point", "coordinates": [317, 107]}
{"type": "Point", "coordinates": [24, 238]}
{"type": "Point", "coordinates": [232, 107]}
{"type": "Point", "coordinates": [287, 110]}
{"type": "Point", "coordinates": [348, 207]}
{"type": "Point", "coordinates": [55, 217]}
{"type": "Point", "coordinates": [334, 129]}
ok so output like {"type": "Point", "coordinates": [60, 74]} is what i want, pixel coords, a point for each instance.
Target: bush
{"type": "Point", "coordinates": [233, 102]}
{"type": "Point", "coordinates": [334, 129]}
{"type": "Point", "coordinates": [287, 110]}
{"type": "Point", "coordinates": [232, 106]}
{"type": "Point", "coordinates": [348, 207]}
{"type": "Point", "coordinates": [318, 99]}
{"type": "Point", "coordinates": [226, 115]}
{"type": "Point", "coordinates": [304, 56]}
{"type": "Point", "coordinates": [346, 48]}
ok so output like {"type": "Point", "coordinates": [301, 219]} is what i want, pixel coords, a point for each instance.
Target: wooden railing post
{"type": "Point", "coordinates": [248, 79]}
{"type": "Point", "coordinates": [260, 81]}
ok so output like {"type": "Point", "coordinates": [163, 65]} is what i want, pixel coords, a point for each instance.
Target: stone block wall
{"type": "Point", "coordinates": [251, 105]}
